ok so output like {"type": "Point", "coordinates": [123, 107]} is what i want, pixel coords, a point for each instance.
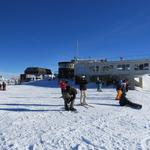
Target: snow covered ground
{"type": "Point", "coordinates": [32, 117]}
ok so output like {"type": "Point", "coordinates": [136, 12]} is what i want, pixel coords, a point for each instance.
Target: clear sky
{"type": "Point", "coordinates": [44, 32]}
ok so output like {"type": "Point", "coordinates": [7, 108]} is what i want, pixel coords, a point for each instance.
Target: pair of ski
{"type": "Point", "coordinates": [87, 106]}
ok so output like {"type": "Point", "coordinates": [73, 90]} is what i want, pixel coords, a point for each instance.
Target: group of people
{"type": "Point", "coordinates": [69, 93]}
{"type": "Point", "coordinates": [2, 86]}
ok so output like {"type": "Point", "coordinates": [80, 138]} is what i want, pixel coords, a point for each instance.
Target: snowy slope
{"type": "Point", "coordinates": [33, 118]}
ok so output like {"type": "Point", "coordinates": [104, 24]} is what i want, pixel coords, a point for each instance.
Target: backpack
{"type": "Point", "coordinates": [74, 91]}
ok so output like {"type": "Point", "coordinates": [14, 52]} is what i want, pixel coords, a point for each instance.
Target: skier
{"type": "Point", "coordinates": [69, 95]}
{"type": "Point", "coordinates": [0, 85]}
{"type": "Point", "coordinates": [99, 85]}
{"type": "Point", "coordinates": [83, 87]}
{"type": "Point", "coordinates": [4, 86]}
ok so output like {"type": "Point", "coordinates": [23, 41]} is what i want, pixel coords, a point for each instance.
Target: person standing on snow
{"type": "Point", "coordinates": [99, 85]}
{"type": "Point", "coordinates": [83, 87]}
{"type": "Point", "coordinates": [0, 85]}
{"type": "Point", "coordinates": [4, 86]}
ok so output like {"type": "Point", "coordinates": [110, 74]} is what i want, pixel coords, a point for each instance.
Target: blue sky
{"type": "Point", "coordinates": [44, 32]}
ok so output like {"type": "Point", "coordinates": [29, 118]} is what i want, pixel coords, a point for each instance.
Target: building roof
{"type": "Point", "coordinates": [37, 71]}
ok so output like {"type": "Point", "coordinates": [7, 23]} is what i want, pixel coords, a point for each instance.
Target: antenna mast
{"type": "Point", "coordinates": [77, 50]}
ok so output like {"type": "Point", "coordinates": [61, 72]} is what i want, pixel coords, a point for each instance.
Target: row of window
{"type": "Point", "coordinates": [141, 66]}
{"type": "Point", "coordinates": [123, 67]}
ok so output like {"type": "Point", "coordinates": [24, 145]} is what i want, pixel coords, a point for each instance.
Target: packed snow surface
{"type": "Point", "coordinates": [32, 117]}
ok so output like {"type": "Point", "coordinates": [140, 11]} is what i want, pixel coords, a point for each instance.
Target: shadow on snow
{"type": "Point", "coordinates": [24, 109]}
{"type": "Point", "coordinates": [104, 104]}
{"type": "Point", "coordinates": [30, 105]}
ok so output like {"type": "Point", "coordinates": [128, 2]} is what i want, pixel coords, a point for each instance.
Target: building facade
{"type": "Point", "coordinates": [66, 69]}
{"type": "Point", "coordinates": [110, 71]}
{"type": "Point", "coordinates": [34, 73]}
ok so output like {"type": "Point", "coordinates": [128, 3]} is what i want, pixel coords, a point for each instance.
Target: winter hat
{"type": "Point", "coordinates": [83, 76]}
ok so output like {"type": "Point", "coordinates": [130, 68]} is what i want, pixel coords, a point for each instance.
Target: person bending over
{"type": "Point", "coordinates": [69, 96]}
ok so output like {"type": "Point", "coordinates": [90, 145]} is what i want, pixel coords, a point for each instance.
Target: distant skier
{"type": "Point", "coordinates": [69, 95]}
{"type": "Point", "coordinates": [4, 86]}
{"type": "Point", "coordinates": [99, 85]}
{"type": "Point", "coordinates": [83, 87]}
{"type": "Point", "coordinates": [0, 85]}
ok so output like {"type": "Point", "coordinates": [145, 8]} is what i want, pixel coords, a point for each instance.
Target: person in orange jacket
{"type": "Point", "coordinates": [119, 93]}
{"type": "Point", "coordinates": [119, 90]}
{"type": "Point", "coordinates": [122, 87]}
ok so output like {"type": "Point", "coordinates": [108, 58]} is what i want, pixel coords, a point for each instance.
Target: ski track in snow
{"type": "Point", "coordinates": [32, 118]}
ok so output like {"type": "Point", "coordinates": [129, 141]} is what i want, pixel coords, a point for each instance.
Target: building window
{"type": "Point", "coordinates": [97, 68]}
{"type": "Point", "coordinates": [92, 68]}
{"type": "Point", "coordinates": [119, 67]}
{"type": "Point", "coordinates": [123, 67]}
{"type": "Point", "coordinates": [141, 67]}
{"type": "Point", "coordinates": [127, 67]}
{"type": "Point", "coordinates": [144, 66]}
{"type": "Point", "coordinates": [108, 68]}
{"type": "Point", "coordinates": [136, 67]}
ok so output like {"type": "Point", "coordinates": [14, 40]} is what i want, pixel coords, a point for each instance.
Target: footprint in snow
{"type": "Point", "coordinates": [146, 143]}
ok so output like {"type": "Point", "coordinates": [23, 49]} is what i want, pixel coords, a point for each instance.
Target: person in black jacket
{"type": "Point", "coordinates": [83, 87]}
{"type": "Point", "coordinates": [69, 96]}
{"type": "Point", "coordinates": [4, 86]}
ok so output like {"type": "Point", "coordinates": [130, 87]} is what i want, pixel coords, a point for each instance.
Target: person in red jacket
{"type": "Point", "coordinates": [62, 85]}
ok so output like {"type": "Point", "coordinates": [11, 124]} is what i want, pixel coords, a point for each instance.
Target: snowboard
{"type": "Point", "coordinates": [135, 106]}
